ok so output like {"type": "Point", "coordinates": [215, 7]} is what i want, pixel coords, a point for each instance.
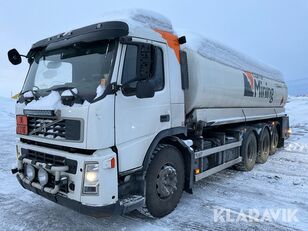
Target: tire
{"type": "Point", "coordinates": [264, 148]}
{"type": "Point", "coordinates": [164, 180]}
{"type": "Point", "coordinates": [249, 152]}
{"type": "Point", "coordinates": [274, 141]}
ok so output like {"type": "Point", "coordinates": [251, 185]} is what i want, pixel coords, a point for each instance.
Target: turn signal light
{"type": "Point", "coordinates": [113, 163]}
{"type": "Point", "coordinates": [197, 171]}
{"type": "Point", "coordinates": [22, 125]}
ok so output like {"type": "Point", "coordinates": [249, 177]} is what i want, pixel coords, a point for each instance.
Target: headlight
{"type": "Point", "coordinates": [90, 185]}
{"type": "Point", "coordinates": [29, 172]}
{"type": "Point", "coordinates": [42, 177]}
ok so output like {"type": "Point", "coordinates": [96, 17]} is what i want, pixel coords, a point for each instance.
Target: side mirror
{"type": "Point", "coordinates": [144, 89]}
{"type": "Point", "coordinates": [14, 57]}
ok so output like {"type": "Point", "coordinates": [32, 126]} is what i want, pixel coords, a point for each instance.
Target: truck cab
{"type": "Point", "coordinates": [116, 116]}
{"type": "Point", "coordinates": [92, 104]}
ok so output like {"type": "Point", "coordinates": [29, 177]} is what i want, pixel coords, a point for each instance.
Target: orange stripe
{"type": "Point", "coordinates": [172, 41]}
{"type": "Point", "coordinates": [250, 78]}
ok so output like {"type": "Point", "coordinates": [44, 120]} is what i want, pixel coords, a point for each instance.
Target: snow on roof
{"type": "Point", "coordinates": [220, 53]}
{"type": "Point", "coordinates": [205, 47]}
{"type": "Point", "coordinates": [140, 18]}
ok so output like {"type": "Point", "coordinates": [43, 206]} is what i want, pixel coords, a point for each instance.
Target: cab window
{"type": "Point", "coordinates": [129, 75]}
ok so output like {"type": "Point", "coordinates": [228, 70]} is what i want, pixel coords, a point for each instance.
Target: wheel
{"type": "Point", "coordinates": [248, 152]}
{"type": "Point", "coordinates": [274, 141]}
{"type": "Point", "coordinates": [265, 145]}
{"type": "Point", "coordinates": [164, 180]}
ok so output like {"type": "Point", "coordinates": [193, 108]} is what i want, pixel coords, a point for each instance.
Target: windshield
{"type": "Point", "coordinates": [87, 67]}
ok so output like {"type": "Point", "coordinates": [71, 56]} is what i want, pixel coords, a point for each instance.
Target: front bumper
{"type": "Point", "coordinates": [103, 211]}
{"type": "Point", "coordinates": [106, 203]}
{"type": "Point", "coordinates": [73, 196]}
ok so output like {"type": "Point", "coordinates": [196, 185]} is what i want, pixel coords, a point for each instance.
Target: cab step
{"type": "Point", "coordinates": [131, 203]}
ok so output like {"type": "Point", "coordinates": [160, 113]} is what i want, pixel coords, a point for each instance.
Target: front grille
{"type": "Point", "coordinates": [50, 159]}
{"type": "Point", "coordinates": [55, 131]}
{"type": "Point", "coordinates": [52, 128]}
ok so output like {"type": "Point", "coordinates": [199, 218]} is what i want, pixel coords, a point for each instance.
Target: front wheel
{"type": "Point", "coordinates": [164, 180]}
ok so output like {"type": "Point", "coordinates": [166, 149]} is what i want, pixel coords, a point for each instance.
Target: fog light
{"type": "Point", "coordinates": [42, 177]}
{"type": "Point", "coordinates": [29, 172]}
{"type": "Point", "coordinates": [91, 181]}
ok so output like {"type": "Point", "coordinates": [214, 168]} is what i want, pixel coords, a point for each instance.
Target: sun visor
{"type": "Point", "coordinates": [92, 33]}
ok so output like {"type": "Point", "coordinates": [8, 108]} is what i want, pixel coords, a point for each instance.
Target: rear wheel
{"type": "Point", "coordinates": [265, 145]}
{"type": "Point", "coordinates": [164, 180]}
{"type": "Point", "coordinates": [248, 152]}
{"type": "Point", "coordinates": [274, 141]}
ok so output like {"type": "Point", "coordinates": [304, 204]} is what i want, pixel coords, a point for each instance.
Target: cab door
{"type": "Point", "coordinates": [138, 121]}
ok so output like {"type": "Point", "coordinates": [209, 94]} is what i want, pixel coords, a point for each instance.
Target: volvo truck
{"type": "Point", "coordinates": [114, 117]}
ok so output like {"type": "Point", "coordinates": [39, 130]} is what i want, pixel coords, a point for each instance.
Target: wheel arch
{"type": "Point", "coordinates": [162, 135]}
{"type": "Point", "coordinates": [171, 137]}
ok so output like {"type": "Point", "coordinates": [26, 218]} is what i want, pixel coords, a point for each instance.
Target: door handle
{"type": "Point", "coordinates": [165, 118]}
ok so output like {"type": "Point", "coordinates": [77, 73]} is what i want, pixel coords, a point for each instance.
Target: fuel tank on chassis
{"type": "Point", "coordinates": [213, 84]}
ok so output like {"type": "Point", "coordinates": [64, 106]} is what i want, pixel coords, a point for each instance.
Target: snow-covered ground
{"type": "Point", "coordinates": [282, 183]}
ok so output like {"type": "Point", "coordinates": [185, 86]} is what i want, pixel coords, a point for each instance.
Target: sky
{"type": "Point", "coordinates": [274, 31]}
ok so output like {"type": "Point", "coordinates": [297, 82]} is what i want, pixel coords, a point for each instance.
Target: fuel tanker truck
{"type": "Point", "coordinates": [125, 114]}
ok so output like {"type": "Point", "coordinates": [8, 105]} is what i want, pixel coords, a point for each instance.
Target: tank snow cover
{"type": "Point", "coordinates": [216, 85]}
